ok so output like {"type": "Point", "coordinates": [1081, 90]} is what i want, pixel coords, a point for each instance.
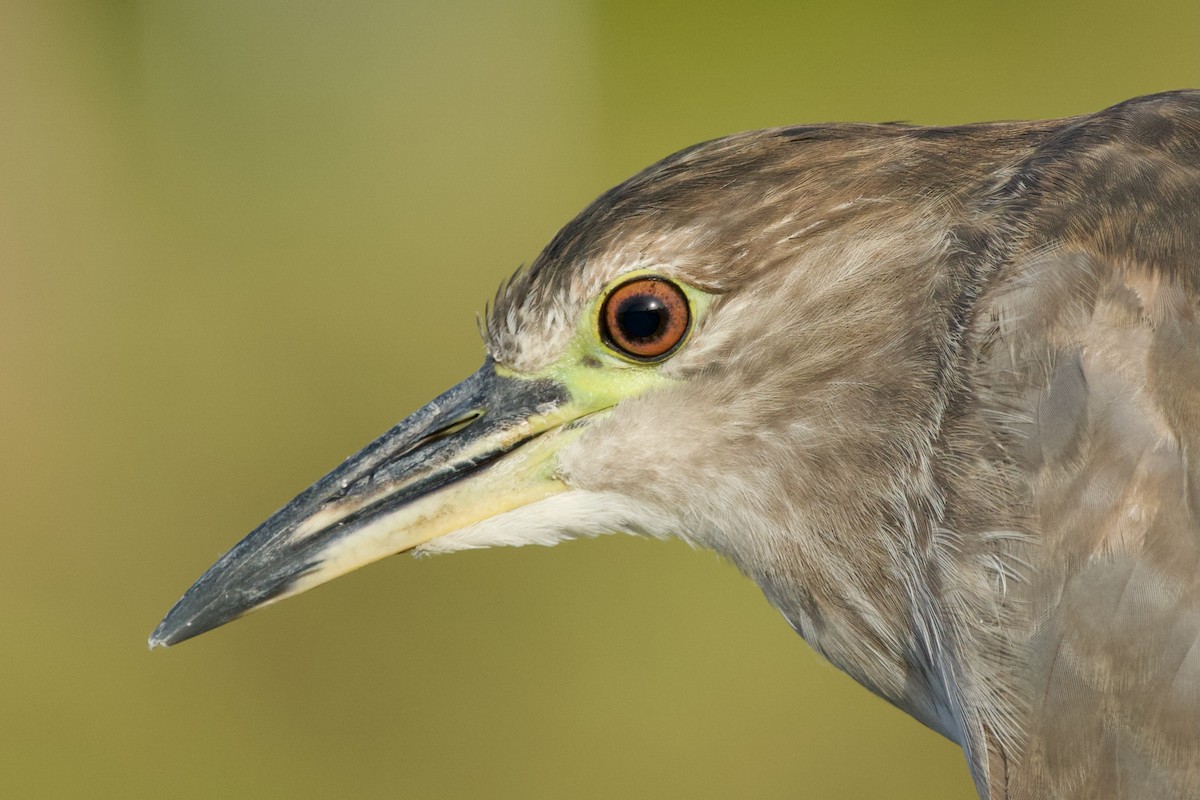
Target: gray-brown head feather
{"type": "Point", "coordinates": [941, 411]}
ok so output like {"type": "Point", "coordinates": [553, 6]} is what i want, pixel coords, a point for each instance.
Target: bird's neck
{"type": "Point", "coordinates": [877, 621]}
{"type": "Point", "coordinates": [902, 621]}
{"type": "Point", "coordinates": [900, 583]}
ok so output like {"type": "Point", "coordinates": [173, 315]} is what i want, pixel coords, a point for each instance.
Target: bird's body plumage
{"type": "Point", "coordinates": [944, 408]}
{"type": "Point", "coordinates": [1091, 334]}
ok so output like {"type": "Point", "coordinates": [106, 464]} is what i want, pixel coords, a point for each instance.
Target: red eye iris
{"type": "Point", "coordinates": [645, 318]}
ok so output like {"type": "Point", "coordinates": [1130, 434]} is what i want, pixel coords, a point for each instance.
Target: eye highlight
{"type": "Point", "coordinates": [645, 318]}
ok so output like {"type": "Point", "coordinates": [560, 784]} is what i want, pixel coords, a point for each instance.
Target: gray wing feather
{"type": "Point", "coordinates": [1094, 329]}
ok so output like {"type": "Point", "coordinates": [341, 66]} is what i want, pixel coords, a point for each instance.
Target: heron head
{"type": "Point", "coordinates": [728, 348]}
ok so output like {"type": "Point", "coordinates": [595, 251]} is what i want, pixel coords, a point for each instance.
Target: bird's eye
{"type": "Point", "coordinates": [645, 318]}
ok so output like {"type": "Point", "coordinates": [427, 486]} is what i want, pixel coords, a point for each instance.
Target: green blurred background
{"type": "Point", "coordinates": [238, 240]}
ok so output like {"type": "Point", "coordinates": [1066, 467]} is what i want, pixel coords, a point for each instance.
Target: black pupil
{"type": "Point", "coordinates": [642, 316]}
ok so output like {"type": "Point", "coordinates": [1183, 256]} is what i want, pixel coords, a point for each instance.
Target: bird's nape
{"type": "Point", "coordinates": [933, 389]}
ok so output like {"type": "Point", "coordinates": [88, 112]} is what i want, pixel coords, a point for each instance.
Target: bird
{"type": "Point", "coordinates": [936, 390]}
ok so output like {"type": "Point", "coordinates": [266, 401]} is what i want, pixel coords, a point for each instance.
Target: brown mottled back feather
{"type": "Point", "coordinates": [1089, 337]}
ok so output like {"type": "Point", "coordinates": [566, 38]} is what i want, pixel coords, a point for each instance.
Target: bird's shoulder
{"type": "Point", "coordinates": [1089, 343]}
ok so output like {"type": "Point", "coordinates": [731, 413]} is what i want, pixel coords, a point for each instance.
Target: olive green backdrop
{"type": "Point", "coordinates": [239, 239]}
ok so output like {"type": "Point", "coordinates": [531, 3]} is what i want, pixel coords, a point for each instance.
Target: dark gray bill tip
{"type": "Point", "coordinates": [206, 605]}
{"type": "Point", "coordinates": [182, 623]}
{"type": "Point", "coordinates": [167, 634]}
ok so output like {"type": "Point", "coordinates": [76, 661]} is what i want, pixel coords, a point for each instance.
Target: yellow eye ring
{"type": "Point", "coordinates": [645, 318]}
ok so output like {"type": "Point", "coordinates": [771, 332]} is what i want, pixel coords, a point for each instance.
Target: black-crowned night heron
{"type": "Point", "coordinates": [936, 390]}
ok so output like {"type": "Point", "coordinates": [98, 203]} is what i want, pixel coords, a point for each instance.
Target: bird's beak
{"type": "Point", "coordinates": [485, 447]}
